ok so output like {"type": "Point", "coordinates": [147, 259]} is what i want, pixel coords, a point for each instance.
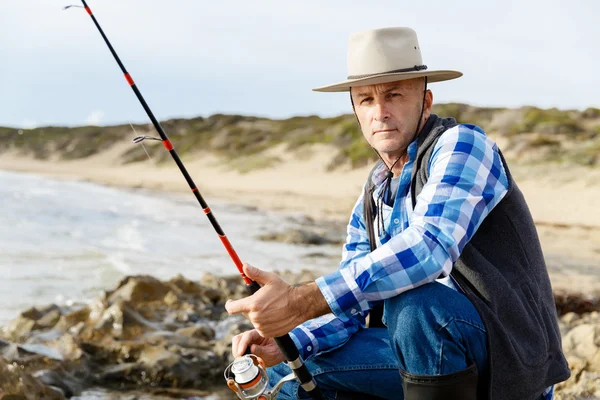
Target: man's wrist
{"type": "Point", "coordinates": [309, 301]}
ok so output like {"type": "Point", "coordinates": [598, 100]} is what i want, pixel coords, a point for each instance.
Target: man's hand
{"type": "Point", "coordinates": [264, 348]}
{"type": "Point", "coordinates": [277, 308]}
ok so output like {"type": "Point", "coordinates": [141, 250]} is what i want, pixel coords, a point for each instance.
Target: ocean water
{"type": "Point", "coordinates": [67, 241]}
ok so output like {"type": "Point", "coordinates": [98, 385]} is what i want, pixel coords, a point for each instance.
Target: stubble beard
{"type": "Point", "coordinates": [392, 148]}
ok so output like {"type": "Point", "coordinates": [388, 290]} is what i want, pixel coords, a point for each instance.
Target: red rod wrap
{"type": "Point", "coordinates": [206, 210]}
{"type": "Point", "coordinates": [89, 11]}
{"type": "Point", "coordinates": [235, 258]}
{"type": "Point", "coordinates": [129, 79]}
{"type": "Point", "coordinates": [168, 144]}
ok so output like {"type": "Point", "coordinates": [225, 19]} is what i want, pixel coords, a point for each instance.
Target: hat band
{"type": "Point", "coordinates": [415, 68]}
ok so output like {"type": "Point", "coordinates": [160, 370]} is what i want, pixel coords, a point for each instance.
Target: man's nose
{"type": "Point", "coordinates": [381, 112]}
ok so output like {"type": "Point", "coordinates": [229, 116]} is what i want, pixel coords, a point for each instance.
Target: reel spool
{"type": "Point", "coordinates": [247, 377]}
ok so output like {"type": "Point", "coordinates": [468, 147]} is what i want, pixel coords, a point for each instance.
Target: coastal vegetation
{"type": "Point", "coordinates": [527, 135]}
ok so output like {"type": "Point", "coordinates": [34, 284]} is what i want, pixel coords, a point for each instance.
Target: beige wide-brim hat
{"type": "Point", "coordinates": [385, 55]}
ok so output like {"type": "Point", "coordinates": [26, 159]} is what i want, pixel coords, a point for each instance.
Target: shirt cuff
{"type": "Point", "coordinates": [305, 342]}
{"type": "Point", "coordinates": [342, 293]}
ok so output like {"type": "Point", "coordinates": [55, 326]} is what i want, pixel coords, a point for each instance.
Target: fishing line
{"type": "Point", "coordinates": [140, 140]}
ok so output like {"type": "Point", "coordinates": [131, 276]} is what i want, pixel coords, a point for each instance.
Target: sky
{"type": "Point", "coordinates": [194, 58]}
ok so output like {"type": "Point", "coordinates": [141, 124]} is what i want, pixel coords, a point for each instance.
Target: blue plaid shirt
{"type": "Point", "coordinates": [466, 181]}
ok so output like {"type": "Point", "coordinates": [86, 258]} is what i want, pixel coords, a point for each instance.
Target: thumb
{"type": "Point", "coordinates": [260, 276]}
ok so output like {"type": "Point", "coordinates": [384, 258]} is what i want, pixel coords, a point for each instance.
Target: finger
{"type": "Point", "coordinates": [246, 341]}
{"type": "Point", "coordinates": [260, 276]}
{"type": "Point", "coordinates": [237, 306]}
{"type": "Point", "coordinates": [235, 341]}
{"type": "Point", "coordinates": [240, 345]}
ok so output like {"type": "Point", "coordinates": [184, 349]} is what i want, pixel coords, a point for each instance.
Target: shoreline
{"type": "Point", "coordinates": [562, 206]}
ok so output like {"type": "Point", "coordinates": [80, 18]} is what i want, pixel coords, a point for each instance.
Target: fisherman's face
{"type": "Point", "coordinates": [388, 113]}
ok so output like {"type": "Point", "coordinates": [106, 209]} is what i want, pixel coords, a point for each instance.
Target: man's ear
{"type": "Point", "coordinates": [428, 103]}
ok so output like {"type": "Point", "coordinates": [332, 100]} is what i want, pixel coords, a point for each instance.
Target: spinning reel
{"type": "Point", "coordinates": [248, 378]}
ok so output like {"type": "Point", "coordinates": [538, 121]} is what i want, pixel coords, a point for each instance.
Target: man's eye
{"type": "Point", "coordinates": [396, 95]}
{"type": "Point", "coordinates": [366, 100]}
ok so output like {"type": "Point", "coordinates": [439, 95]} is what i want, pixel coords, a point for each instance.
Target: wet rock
{"type": "Point", "coordinates": [111, 320]}
{"type": "Point", "coordinates": [31, 320]}
{"type": "Point", "coordinates": [166, 366]}
{"type": "Point", "coordinates": [139, 289]}
{"type": "Point", "coordinates": [587, 387]}
{"type": "Point", "coordinates": [171, 299]}
{"type": "Point", "coordinates": [59, 379]}
{"type": "Point", "coordinates": [204, 332]}
{"type": "Point", "coordinates": [584, 341]}
{"type": "Point", "coordinates": [180, 393]}
{"type": "Point", "coordinates": [174, 339]}
{"type": "Point", "coordinates": [187, 286]}
{"type": "Point", "coordinates": [56, 345]}
{"type": "Point", "coordinates": [570, 318]}
{"type": "Point", "coordinates": [302, 236]}
{"type": "Point", "coordinates": [20, 327]}
{"type": "Point", "coordinates": [581, 345]}
{"type": "Point", "coordinates": [73, 317]}
{"type": "Point", "coordinates": [578, 303]}
{"type": "Point", "coordinates": [158, 357]}
{"type": "Point", "coordinates": [29, 354]}
{"type": "Point", "coordinates": [230, 287]}
{"type": "Point", "coordinates": [119, 372]}
{"type": "Point", "coordinates": [15, 383]}
{"type": "Point", "coordinates": [49, 319]}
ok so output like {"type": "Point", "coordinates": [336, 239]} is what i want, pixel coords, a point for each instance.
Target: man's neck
{"type": "Point", "coordinates": [389, 159]}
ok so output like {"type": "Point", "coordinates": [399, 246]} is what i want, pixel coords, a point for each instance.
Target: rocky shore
{"type": "Point", "coordinates": [151, 339]}
{"type": "Point", "coordinates": [170, 338]}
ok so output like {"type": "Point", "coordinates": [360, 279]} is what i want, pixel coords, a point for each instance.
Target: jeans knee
{"type": "Point", "coordinates": [408, 311]}
{"type": "Point", "coordinates": [434, 328]}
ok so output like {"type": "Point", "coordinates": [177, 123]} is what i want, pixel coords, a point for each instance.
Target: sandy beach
{"type": "Point", "coordinates": [562, 200]}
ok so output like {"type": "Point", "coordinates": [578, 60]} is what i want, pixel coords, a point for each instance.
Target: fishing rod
{"type": "Point", "coordinates": [246, 375]}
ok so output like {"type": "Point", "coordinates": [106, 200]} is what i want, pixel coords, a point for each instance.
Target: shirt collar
{"type": "Point", "coordinates": [379, 174]}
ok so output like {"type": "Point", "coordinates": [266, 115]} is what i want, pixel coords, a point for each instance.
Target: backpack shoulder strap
{"type": "Point", "coordinates": [374, 319]}
{"type": "Point", "coordinates": [369, 208]}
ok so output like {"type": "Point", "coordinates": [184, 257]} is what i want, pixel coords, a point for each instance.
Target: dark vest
{"type": "Point", "coordinates": [503, 272]}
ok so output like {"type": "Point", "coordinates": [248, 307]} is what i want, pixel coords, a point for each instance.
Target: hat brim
{"type": "Point", "coordinates": [432, 76]}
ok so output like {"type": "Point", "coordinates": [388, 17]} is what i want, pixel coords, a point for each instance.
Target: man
{"type": "Point", "coordinates": [449, 248]}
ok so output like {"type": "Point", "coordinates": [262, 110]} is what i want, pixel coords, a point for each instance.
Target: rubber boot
{"type": "Point", "coordinates": [460, 385]}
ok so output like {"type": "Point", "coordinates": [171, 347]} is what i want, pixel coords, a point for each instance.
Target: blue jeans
{"type": "Point", "coordinates": [431, 330]}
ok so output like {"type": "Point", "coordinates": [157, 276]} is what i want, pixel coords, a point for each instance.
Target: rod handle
{"type": "Point", "coordinates": [252, 287]}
